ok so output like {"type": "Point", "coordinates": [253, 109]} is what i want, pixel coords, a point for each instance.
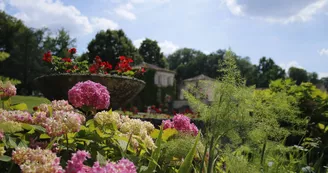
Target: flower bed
{"type": "Point", "coordinates": [58, 137]}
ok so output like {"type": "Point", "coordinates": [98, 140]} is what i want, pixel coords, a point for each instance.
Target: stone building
{"type": "Point", "coordinates": [205, 90]}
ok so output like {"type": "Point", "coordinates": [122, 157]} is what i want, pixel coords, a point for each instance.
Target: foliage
{"type": "Point", "coordinates": [111, 44]}
{"type": "Point", "coordinates": [241, 118]}
{"type": "Point", "coordinates": [268, 71]}
{"type": "Point", "coordinates": [313, 106]}
{"type": "Point", "coordinates": [59, 43]}
{"type": "Point", "coordinates": [151, 53]}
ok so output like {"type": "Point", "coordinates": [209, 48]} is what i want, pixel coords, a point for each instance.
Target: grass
{"type": "Point", "coordinates": [30, 101]}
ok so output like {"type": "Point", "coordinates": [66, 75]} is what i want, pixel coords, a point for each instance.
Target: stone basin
{"type": "Point", "coordinates": [122, 89]}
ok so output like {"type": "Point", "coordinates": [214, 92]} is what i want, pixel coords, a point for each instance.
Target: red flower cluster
{"type": "Point", "coordinates": [72, 50]}
{"type": "Point", "coordinates": [67, 59]}
{"type": "Point", "coordinates": [47, 57]}
{"type": "Point", "coordinates": [100, 66]}
{"type": "Point", "coordinates": [124, 64]}
{"type": "Point", "coordinates": [155, 109]}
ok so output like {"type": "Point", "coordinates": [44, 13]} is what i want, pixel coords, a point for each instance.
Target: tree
{"type": "Point", "coordinates": [151, 53]}
{"type": "Point", "coordinates": [324, 81]}
{"type": "Point", "coordinates": [25, 48]}
{"type": "Point", "coordinates": [247, 70]}
{"type": "Point", "coordinates": [313, 78]}
{"type": "Point", "coordinates": [111, 44]}
{"type": "Point", "coordinates": [298, 74]}
{"type": "Point", "coordinates": [268, 71]}
{"type": "Point", "coordinates": [59, 44]}
{"type": "Point", "coordinates": [182, 57]}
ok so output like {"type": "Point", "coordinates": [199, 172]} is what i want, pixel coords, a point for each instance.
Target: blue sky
{"type": "Point", "coordinates": [292, 32]}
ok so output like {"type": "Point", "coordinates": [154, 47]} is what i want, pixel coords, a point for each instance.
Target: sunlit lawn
{"type": "Point", "coordinates": [31, 101]}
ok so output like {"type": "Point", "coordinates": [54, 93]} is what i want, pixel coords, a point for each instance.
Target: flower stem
{"type": "Point", "coordinates": [66, 136]}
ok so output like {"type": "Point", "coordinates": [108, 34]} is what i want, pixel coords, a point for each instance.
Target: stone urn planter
{"type": "Point", "coordinates": [122, 89]}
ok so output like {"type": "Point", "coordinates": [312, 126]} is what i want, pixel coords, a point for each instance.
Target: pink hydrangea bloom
{"type": "Point", "coordinates": [37, 160]}
{"type": "Point", "coordinates": [63, 122]}
{"type": "Point", "coordinates": [61, 105]}
{"type": "Point", "coordinates": [167, 124]}
{"type": "Point", "coordinates": [75, 165]}
{"type": "Point", "coordinates": [181, 123]}
{"type": "Point", "coordinates": [89, 94]}
{"type": "Point", "coordinates": [7, 90]}
{"type": "Point", "coordinates": [17, 116]}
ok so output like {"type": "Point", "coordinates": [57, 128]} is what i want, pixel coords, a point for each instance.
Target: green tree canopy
{"type": "Point", "coordinates": [298, 74]}
{"type": "Point", "coordinates": [182, 57]}
{"type": "Point", "coordinates": [267, 71]}
{"type": "Point", "coordinates": [151, 53]}
{"type": "Point", "coordinates": [60, 43]}
{"type": "Point", "coordinates": [111, 44]}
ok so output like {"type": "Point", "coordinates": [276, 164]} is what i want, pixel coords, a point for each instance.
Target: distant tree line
{"type": "Point", "coordinates": [27, 45]}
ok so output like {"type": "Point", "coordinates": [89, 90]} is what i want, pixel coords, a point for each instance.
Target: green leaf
{"type": "Point", "coordinates": [326, 129]}
{"type": "Point", "coordinates": [101, 159]}
{"type": "Point", "coordinates": [44, 136]}
{"type": "Point", "coordinates": [27, 126]}
{"type": "Point", "coordinates": [187, 163]}
{"type": "Point", "coordinates": [11, 142]}
{"type": "Point", "coordinates": [31, 131]}
{"type": "Point", "coordinates": [321, 126]}
{"type": "Point", "coordinates": [155, 155]}
{"type": "Point", "coordinates": [5, 158]}
{"type": "Point", "coordinates": [39, 128]}
{"type": "Point", "coordinates": [167, 133]}
{"type": "Point", "coordinates": [20, 106]}
{"type": "Point", "coordinates": [51, 143]}
{"type": "Point", "coordinates": [22, 144]}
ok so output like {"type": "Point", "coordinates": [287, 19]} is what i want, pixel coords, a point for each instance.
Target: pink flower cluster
{"type": "Point", "coordinates": [61, 122]}
{"type": "Point", "coordinates": [7, 90]}
{"type": "Point", "coordinates": [89, 94]}
{"type": "Point", "coordinates": [76, 165]}
{"type": "Point", "coordinates": [45, 161]}
{"type": "Point", "coordinates": [181, 123]}
{"type": "Point", "coordinates": [63, 119]}
{"type": "Point", "coordinates": [37, 160]}
{"type": "Point", "coordinates": [17, 116]}
{"type": "Point", "coordinates": [61, 105]}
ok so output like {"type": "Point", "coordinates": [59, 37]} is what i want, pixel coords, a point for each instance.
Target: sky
{"type": "Point", "coordinates": [291, 32]}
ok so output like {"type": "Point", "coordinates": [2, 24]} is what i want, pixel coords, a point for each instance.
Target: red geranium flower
{"type": "Point", "coordinates": [72, 50]}
{"type": "Point", "coordinates": [93, 69]}
{"type": "Point", "coordinates": [98, 59]}
{"type": "Point", "coordinates": [68, 70]}
{"type": "Point", "coordinates": [47, 57]}
{"type": "Point", "coordinates": [67, 59]}
{"type": "Point", "coordinates": [75, 67]}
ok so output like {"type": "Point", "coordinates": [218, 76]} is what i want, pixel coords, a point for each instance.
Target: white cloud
{"type": "Point", "coordinates": [125, 11]}
{"type": "Point", "coordinates": [234, 7]}
{"type": "Point", "coordinates": [323, 52]}
{"type": "Point", "coordinates": [286, 66]}
{"type": "Point", "coordinates": [138, 42]}
{"type": "Point", "coordinates": [167, 47]}
{"type": "Point", "coordinates": [55, 14]}
{"type": "Point", "coordinates": [2, 5]}
{"type": "Point", "coordinates": [303, 15]}
{"type": "Point", "coordinates": [103, 23]}
{"type": "Point", "coordinates": [322, 74]}
{"type": "Point", "coordinates": [277, 11]}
